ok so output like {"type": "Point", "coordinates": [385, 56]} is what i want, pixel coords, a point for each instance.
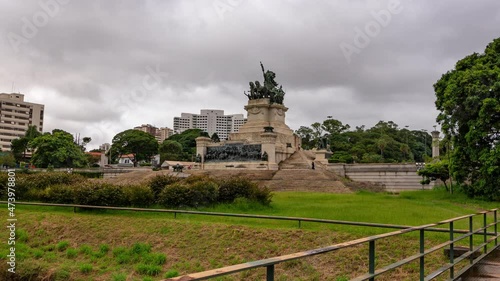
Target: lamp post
{"type": "Point", "coordinates": [420, 166]}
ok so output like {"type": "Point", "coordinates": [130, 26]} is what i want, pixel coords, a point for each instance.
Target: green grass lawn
{"type": "Point", "coordinates": [125, 245]}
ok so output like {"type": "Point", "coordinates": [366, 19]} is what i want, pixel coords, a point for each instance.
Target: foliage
{"type": "Point", "coordinates": [138, 143]}
{"type": "Point", "coordinates": [384, 142]}
{"type": "Point", "coordinates": [158, 183]}
{"type": "Point", "coordinates": [139, 195]}
{"type": "Point", "coordinates": [198, 191]}
{"type": "Point", "coordinates": [7, 159]}
{"type": "Point", "coordinates": [341, 157]}
{"type": "Point", "coordinates": [57, 149]}
{"type": "Point", "coordinates": [99, 194]}
{"type": "Point", "coordinates": [236, 187]}
{"type": "Point", "coordinates": [61, 194]}
{"type": "Point", "coordinates": [31, 186]}
{"type": "Point", "coordinates": [468, 98]}
{"type": "Point", "coordinates": [171, 150]}
{"type": "Point", "coordinates": [188, 141]}
{"type": "Point", "coordinates": [438, 170]}
{"type": "Point", "coordinates": [21, 146]}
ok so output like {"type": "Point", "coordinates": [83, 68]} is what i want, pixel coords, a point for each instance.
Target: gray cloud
{"type": "Point", "coordinates": [88, 63]}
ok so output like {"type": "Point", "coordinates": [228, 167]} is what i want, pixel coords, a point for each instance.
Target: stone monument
{"type": "Point", "coordinates": [263, 141]}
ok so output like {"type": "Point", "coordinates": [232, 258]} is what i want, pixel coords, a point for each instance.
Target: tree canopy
{"type": "Point", "coordinates": [20, 146]}
{"type": "Point", "coordinates": [468, 98]}
{"type": "Point", "coordinates": [57, 149]}
{"type": "Point", "coordinates": [187, 139]}
{"type": "Point", "coordinates": [138, 143]}
{"type": "Point", "coordinates": [384, 142]}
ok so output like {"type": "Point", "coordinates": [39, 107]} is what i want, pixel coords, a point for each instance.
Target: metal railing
{"type": "Point", "coordinates": [372, 272]}
{"type": "Point", "coordinates": [489, 237]}
{"type": "Point", "coordinates": [299, 220]}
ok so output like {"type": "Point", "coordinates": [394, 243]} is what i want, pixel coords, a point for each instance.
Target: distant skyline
{"type": "Point", "coordinates": [101, 67]}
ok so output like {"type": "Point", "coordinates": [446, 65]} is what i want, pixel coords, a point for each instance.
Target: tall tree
{"type": "Point", "coordinates": [20, 146]}
{"type": "Point", "coordinates": [57, 149]}
{"type": "Point", "coordinates": [138, 143]}
{"type": "Point", "coordinates": [468, 98]}
{"type": "Point", "coordinates": [171, 150]}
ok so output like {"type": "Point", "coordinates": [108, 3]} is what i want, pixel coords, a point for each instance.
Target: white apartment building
{"type": "Point", "coordinates": [210, 121]}
{"type": "Point", "coordinates": [15, 117]}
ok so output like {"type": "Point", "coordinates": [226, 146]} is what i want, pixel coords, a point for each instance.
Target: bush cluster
{"type": "Point", "coordinates": [167, 191]}
{"type": "Point", "coordinates": [197, 191]}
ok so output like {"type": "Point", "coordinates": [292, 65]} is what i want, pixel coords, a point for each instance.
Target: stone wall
{"type": "Point", "coordinates": [395, 177]}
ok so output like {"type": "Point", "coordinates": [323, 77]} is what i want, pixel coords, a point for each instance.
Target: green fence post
{"type": "Point", "coordinates": [270, 272]}
{"type": "Point", "coordinates": [422, 250]}
{"type": "Point", "coordinates": [471, 239]}
{"type": "Point", "coordinates": [371, 267]}
{"type": "Point", "coordinates": [495, 218]}
{"type": "Point", "coordinates": [452, 254]}
{"type": "Point", "coordinates": [485, 233]}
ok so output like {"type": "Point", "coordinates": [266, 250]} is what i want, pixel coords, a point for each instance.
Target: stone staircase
{"type": "Point", "coordinates": [307, 180]}
{"type": "Point", "coordinates": [298, 160]}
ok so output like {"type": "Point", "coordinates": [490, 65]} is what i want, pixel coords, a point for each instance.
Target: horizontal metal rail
{"type": "Point", "coordinates": [372, 273]}
{"type": "Point", "coordinates": [249, 216]}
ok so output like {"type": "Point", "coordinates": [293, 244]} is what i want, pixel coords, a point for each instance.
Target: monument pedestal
{"type": "Point", "coordinates": [264, 138]}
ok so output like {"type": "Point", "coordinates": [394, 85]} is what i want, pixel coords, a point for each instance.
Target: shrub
{"type": "Point", "coordinates": [139, 195]}
{"type": "Point", "coordinates": [203, 193]}
{"type": "Point", "coordinates": [99, 194]}
{"type": "Point", "coordinates": [31, 186]}
{"type": "Point", "coordinates": [235, 187]}
{"type": "Point", "coordinates": [175, 195]}
{"type": "Point", "coordinates": [63, 194]}
{"type": "Point", "coordinates": [158, 183]}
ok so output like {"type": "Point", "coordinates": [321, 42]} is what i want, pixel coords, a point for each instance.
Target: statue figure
{"type": "Point", "coordinates": [249, 96]}
{"type": "Point", "coordinates": [268, 90]}
{"type": "Point", "coordinates": [264, 156]}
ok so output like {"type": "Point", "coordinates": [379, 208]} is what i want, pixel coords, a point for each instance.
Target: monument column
{"type": "Point", "coordinates": [269, 146]}
{"type": "Point", "coordinates": [201, 147]}
{"type": "Point", "coordinates": [435, 144]}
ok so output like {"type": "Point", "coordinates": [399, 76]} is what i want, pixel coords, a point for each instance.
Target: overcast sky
{"type": "Point", "coordinates": [101, 67]}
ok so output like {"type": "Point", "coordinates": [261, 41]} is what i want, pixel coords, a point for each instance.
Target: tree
{"type": "Point", "coordinates": [438, 170]}
{"type": "Point", "coordinates": [468, 98]}
{"type": "Point", "coordinates": [306, 135]}
{"type": "Point", "coordinates": [58, 150]}
{"type": "Point", "coordinates": [188, 141]}
{"type": "Point", "coordinates": [20, 146]}
{"type": "Point", "coordinates": [171, 150]}
{"type": "Point", "coordinates": [138, 143]}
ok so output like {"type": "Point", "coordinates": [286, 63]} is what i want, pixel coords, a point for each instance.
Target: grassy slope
{"type": "Point", "coordinates": [195, 243]}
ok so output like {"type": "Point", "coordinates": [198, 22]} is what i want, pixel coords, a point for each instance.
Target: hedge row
{"type": "Point", "coordinates": [197, 191]}
{"type": "Point", "coordinates": [168, 191]}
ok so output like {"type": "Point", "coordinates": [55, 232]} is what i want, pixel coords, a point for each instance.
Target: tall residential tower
{"type": "Point", "coordinates": [15, 117]}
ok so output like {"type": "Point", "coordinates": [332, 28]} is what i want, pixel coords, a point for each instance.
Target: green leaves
{"type": "Point", "coordinates": [141, 144]}
{"type": "Point", "coordinates": [468, 98]}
